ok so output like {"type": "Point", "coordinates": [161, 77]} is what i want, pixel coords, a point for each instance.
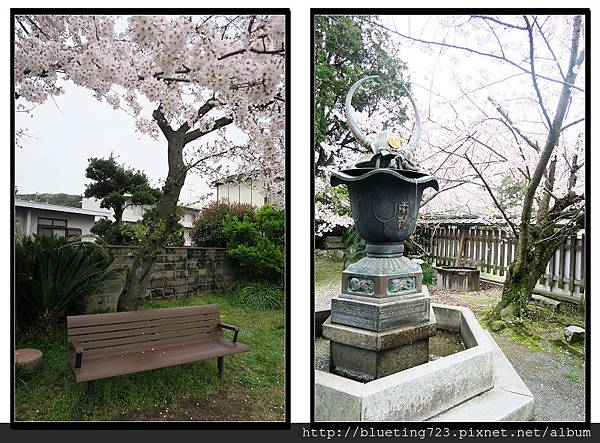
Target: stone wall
{"type": "Point", "coordinates": [178, 272]}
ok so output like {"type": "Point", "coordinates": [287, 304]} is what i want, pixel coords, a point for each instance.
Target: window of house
{"type": "Point", "coordinates": [56, 227]}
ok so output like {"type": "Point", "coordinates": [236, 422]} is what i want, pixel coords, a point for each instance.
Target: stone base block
{"type": "Point", "coordinates": [378, 341]}
{"type": "Point", "coordinates": [366, 355]}
{"type": "Point", "coordinates": [365, 365]}
{"type": "Point", "coordinates": [380, 314]}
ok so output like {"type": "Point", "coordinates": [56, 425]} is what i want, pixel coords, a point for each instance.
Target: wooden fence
{"type": "Point", "coordinates": [491, 250]}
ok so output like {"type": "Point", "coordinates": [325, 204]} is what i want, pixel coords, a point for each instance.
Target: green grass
{"type": "Point", "coordinates": [542, 329]}
{"type": "Point", "coordinates": [53, 394]}
{"type": "Point", "coordinates": [256, 295]}
{"type": "Point", "coordinates": [575, 377]}
{"type": "Point", "coordinates": [328, 270]}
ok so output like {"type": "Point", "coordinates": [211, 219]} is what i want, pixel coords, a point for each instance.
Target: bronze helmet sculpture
{"type": "Point", "coordinates": [386, 188]}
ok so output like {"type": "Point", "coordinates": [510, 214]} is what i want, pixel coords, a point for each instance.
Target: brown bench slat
{"type": "Point", "coordinates": [141, 324]}
{"type": "Point", "coordinates": [144, 362]}
{"type": "Point", "coordinates": [142, 331]}
{"type": "Point", "coordinates": [147, 346]}
{"type": "Point", "coordinates": [127, 342]}
{"type": "Point", "coordinates": [140, 338]}
{"type": "Point", "coordinates": [77, 321]}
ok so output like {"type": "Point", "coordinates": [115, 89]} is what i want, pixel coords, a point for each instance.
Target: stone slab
{"type": "Point", "coordinates": [336, 399]}
{"type": "Point", "coordinates": [546, 301]}
{"type": "Point", "coordinates": [433, 388]}
{"type": "Point", "coordinates": [491, 406]}
{"type": "Point", "coordinates": [378, 341]}
{"type": "Point", "coordinates": [509, 400]}
{"type": "Point", "coordinates": [421, 392]}
{"type": "Point", "coordinates": [380, 316]}
{"type": "Point", "coordinates": [574, 334]}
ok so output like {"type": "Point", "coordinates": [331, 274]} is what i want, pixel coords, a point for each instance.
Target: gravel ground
{"type": "Point", "coordinates": [556, 378]}
{"type": "Point", "coordinates": [324, 294]}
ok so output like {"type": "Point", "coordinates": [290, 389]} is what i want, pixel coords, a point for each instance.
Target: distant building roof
{"type": "Point", "coordinates": [59, 208]}
{"type": "Point", "coordinates": [462, 219]}
{"type": "Point", "coordinates": [234, 178]}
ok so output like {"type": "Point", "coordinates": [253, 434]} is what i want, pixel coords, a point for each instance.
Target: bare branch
{"type": "Point", "coordinates": [533, 76]}
{"type": "Point", "coordinates": [472, 51]}
{"type": "Point", "coordinates": [507, 119]}
{"type": "Point", "coordinates": [568, 125]}
{"type": "Point", "coordinates": [550, 50]}
{"type": "Point", "coordinates": [495, 20]}
{"type": "Point", "coordinates": [491, 193]}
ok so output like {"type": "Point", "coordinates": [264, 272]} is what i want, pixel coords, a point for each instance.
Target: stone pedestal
{"type": "Point", "coordinates": [381, 322]}
{"type": "Point", "coordinates": [367, 355]}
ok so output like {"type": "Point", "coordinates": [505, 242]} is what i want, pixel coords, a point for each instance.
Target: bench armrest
{"type": "Point", "coordinates": [235, 330]}
{"type": "Point", "coordinates": [78, 353]}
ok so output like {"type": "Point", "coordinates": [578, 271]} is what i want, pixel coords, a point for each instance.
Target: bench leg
{"type": "Point", "coordinates": [220, 365]}
{"type": "Point", "coordinates": [90, 391]}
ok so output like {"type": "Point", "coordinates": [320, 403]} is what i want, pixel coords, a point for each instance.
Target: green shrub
{"type": "Point", "coordinates": [208, 227]}
{"type": "Point", "coordinates": [428, 273]}
{"type": "Point", "coordinates": [354, 246]}
{"type": "Point", "coordinates": [131, 234]}
{"type": "Point", "coordinates": [115, 234]}
{"type": "Point", "coordinates": [256, 295]}
{"type": "Point", "coordinates": [55, 273]}
{"type": "Point", "coordinates": [258, 245]}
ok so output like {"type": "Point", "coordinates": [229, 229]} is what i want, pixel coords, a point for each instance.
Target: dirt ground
{"type": "Point", "coordinates": [233, 404]}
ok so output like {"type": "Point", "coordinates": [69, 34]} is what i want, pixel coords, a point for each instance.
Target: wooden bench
{"type": "Point", "coordinates": [107, 345]}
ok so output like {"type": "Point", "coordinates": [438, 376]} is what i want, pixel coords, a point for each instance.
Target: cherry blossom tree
{"type": "Point", "coordinates": [198, 75]}
{"type": "Point", "coordinates": [507, 99]}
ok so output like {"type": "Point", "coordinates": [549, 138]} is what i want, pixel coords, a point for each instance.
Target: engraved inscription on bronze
{"type": "Point", "coordinates": [402, 213]}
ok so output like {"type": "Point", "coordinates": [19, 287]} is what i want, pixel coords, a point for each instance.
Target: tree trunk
{"type": "Point", "coordinates": [524, 273]}
{"type": "Point", "coordinates": [160, 228]}
{"type": "Point", "coordinates": [520, 281]}
{"type": "Point", "coordinates": [118, 210]}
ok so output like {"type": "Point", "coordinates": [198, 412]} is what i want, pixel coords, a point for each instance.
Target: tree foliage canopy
{"type": "Point", "coordinates": [118, 186]}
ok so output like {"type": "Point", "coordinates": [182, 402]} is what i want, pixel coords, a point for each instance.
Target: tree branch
{"type": "Point", "coordinates": [496, 202]}
{"type": "Point", "coordinates": [568, 125]}
{"type": "Point", "coordinates": [504, 115]}
{"type": "Point", "coordinates": [197, 133]}
{"type": "Point", "coordinates": [472, 51]}
{"type": "Point", "coordinates": [550, 50]}
{"type": "Point", "coordinates": [162, 122]}
{"type": "Point", "coordinates": [533, 76]}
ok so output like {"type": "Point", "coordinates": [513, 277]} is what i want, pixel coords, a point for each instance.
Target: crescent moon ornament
{"type": "Point", "coordinates": [394, 141]}
{"type": "Point", "coordinates": [376, 144]}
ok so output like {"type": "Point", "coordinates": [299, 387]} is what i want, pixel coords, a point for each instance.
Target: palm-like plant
{"type": "Point", "coordinates": [52, 274]}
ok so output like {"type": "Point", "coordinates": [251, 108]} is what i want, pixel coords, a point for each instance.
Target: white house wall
{"type": "Point", "coordinates": [241, 193]}
{"type": "Point", "coordinates": [81, 221]}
